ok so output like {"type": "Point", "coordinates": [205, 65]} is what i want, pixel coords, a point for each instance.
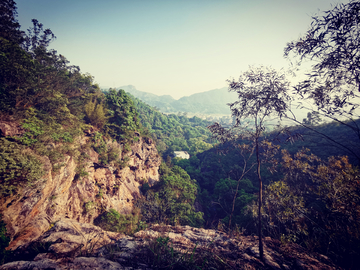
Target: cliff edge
{"type": "Point", "coordinates": [78, 189]}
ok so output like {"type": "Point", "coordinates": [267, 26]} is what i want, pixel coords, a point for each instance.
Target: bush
{"type": "Point", "coordinates": [161, 254]}
{"type": "Point", "coordinates": [95, 114]}
{"type": "Point", "coordinates": [17, 167]}
{"type": "Point", "coordinates": [171, 201]}
{"type": "Point", "coordinates": [115, 222]}
{"type": "Point", "coordinates": [4, 241]}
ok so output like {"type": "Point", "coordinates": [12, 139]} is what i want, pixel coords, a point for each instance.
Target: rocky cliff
{"type": "Point", "coordinates": [51, 220]}
{"type": "Point", "coordinates": [73, 245]}
{"type": "Point", "coordinates": [64, 193]}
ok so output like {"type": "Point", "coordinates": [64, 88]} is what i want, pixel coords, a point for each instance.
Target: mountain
{"type": "Point", "coordinates": [162, 102]}
{"type": "Point", "coordinates": [209, 102]}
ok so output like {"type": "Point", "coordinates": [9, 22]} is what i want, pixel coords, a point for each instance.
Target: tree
{"type": "Point", "coordinates": [171, 200]}
{"type": "Point", "coordinates": [262, 94]}
{"type": "Point", "coordinates": [95, 113]}
{"type": "Point", "coordinates": [9, 26]}
{"type": "Point", "coordinates": [333, 42]}
{"type": "Point", "coordinates": [37, 40]}
{"type": "Point", "coordinates": [317, 204]}
{"type": "Point", "coordinates": [123, 119]}
{"type": "Point", "coordinates": [333, 85]}
{"type": "Point", "coordinates": [312, 119]}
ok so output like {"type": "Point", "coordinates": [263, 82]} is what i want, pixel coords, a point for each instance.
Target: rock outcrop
{"type": "Point", "coordinates": [51, 221]}
{"type": "Point", "coordinates": [72, 245]}
{"type": "Point", "coordinates": [10, 128]}
{"type": "Point", "coordinates": [63, 193]}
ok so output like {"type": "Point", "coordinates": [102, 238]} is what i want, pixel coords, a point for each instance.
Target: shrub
{"type": "Point", "coordinates": [33, 128]}
{"type": "Point", "coordinates": [17, 167]}
{"type": "Point", "coordinates": [95, 114]}
{"type": "Point", "coordinates": [172, 200]}
{"type": "Point", "coordinates": [89, 207]}
{"type": "Point", "coordinates": [4, 241]}
{"type": "Point", "coordinates": [162, 254]}
{"type": "Point", "coordinates": [115, 222]}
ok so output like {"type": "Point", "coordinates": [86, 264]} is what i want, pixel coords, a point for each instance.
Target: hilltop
{"type": "Point", "coordinates": [212, 102]}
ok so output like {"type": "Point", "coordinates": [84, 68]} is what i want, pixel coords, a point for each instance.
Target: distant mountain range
{"type": "Point", "coordinates": [209, 102]}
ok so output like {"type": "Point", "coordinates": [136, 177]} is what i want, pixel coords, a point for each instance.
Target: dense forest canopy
{"type": "Point", "coordinates": [175, 132]}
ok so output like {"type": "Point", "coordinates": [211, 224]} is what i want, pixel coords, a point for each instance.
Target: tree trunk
{"type": "Point", "coordinates": [261, 248]}
{"type": "Point", "coordinates": [233, 203]}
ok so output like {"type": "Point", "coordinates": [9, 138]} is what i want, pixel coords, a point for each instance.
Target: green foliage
{"type": "Point", "coordinates": [89, 207]}
{"type": "Point", "coordinates": [174, 132]}
{"type": "Point", "coordinates": [284, 212]}
{"type": "Point", "coordinates": [317, 204]}
{"type": "Point", "coordinates": [171, 200]}
{"type": "Point", "coordinates": [40, 90]}
{"type": "Point", "coordinates": [108, 151]}
{"type": "Point", "coordinates": [163, 255]}
{"type": "Point", "coordinates": [4, 241]}
{"type": "Point", "coordinates": [116, 222]}
{"type": "Point", "coordinates": [328, 139]}
{"type": "Point", "coordinates": [33, 128]}
{"type": "Point", "coordinates": [9, 26]}
{"type": "Point", "coordinates": [100, 194]}
{"type": "Point", "coordinates": [226, 193]}
{"type": "Point", "coordinates": [95, 114]}
{"type": "Point", "coordinates": [215, 171]}
{"type": "Point", "coordinates": [65, 137]}
{"type": "Point", "coordinates": [100, 147]}
{"type": "Point", "coordinates": [18, 167]}
{"type": "Point", "coordinates": [123, 118]}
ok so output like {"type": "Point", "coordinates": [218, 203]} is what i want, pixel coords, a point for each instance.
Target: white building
{"type": "Point", "coordinates": [181, 154]}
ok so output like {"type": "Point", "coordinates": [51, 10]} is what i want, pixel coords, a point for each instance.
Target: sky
{"type": "Point", "coordinates": [172, 47]}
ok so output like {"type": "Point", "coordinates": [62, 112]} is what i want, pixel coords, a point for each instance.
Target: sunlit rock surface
{"type": "Point", "coordinates": [61, 193]}
{"type": "Point", "coordinates": [73, 245]}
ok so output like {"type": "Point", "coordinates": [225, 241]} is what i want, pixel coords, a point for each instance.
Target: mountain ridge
{"type": "Point", "coordinates": [209, 102]}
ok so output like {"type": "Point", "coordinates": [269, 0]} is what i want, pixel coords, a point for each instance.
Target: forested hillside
{"type": "Point", "coordinates": [175, 132]}
{"type": "Point", "coordinates": [269, 183]}
{"type": "Point", "coordinates": [56, 124]}
{"type": "Point", "coordinates": [301, 199]}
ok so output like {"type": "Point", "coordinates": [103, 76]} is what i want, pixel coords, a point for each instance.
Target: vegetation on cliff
{"type": "Point", "coordinates": [51, 104]}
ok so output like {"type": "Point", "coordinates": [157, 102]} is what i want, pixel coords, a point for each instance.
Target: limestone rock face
{"type": "Point", "coordinates": [63, 193]}
{"type": "Point", "coordinates": [10, 128]}
{"type": "Point", "coordinates": [74, 245]}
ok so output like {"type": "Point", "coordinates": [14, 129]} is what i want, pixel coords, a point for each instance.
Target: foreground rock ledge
{"type": "Point", "coordinates": [73, 245]}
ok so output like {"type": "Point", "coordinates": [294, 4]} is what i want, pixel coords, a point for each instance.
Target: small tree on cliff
{"type": "Point", "coordinates": [262, 94]}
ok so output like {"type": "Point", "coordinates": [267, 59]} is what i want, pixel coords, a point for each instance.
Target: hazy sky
{"type": "Point", "coordinates": [175, 47]}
